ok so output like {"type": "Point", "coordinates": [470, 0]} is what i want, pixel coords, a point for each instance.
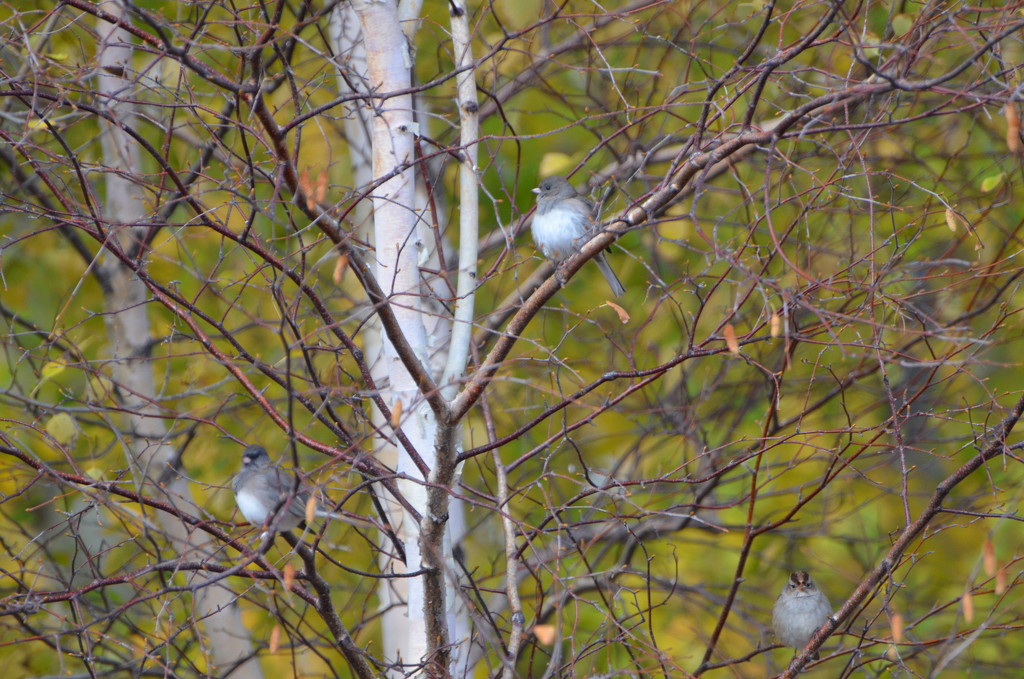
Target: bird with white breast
{"type": "Point", "coordinates": [564, 221]}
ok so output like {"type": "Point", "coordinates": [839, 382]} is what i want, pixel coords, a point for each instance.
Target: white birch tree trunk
{"type": "Point", "coordinates": [397, 263]}
{"type": "Point", "coordinates": [406, 248]}
{"type": "Point", "coordinates": [346, 35]}
{"type": "Point", "coordinates": [462, 328]}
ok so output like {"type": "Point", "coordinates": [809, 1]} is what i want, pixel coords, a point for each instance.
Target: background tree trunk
{"type": "Point", "coordinates": [155, 462]}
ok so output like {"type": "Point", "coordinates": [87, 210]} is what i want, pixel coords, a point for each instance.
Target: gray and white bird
{"type": "Point", "coordinates": [563, 222]}
{"type": "Point", "coordinates": [265, 491]}
{"type": "Point", "coordinates": [800, 611]}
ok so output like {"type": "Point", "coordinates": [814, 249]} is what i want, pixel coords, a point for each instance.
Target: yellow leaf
{"type": "Point", "coordinates": [100, 387]}
{"type": "Point", "coordinates": [888, 148]}
{"type": "Point", "coordinates": [680, 228]}
{"type": "Point", "coordinates": [63, 429]}
{"type": "Point", "coordinates": [396, 414]}
{"type": "Point", "coordinates": [545, 634]}
{"type": "Point", "coordinates": [776, 325]}
{"type": "Point", "coordinates": [992, 182]}
{"type": "Point", "coordinates": [52, 369]}
{"type": "Point", "coordinates": [170, 71]}
{"type": "Point", "coordinates": [275, 639]}
{"type": "Point", "coordinates": [901, 24]}
{"type": "Point", "coordinates": [554, 163]}
{"type": "Point", "coordinates": [967, 604]}
{"type": "Point", "coordinates": [623, 314]}
{"type": "Point", "coordinates": [730, 339]}
{"type": "Point", "coordinates": [870, 39]}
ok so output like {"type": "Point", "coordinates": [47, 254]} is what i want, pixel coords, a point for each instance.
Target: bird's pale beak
{"type": "Point", "coordinates": [537, 190]}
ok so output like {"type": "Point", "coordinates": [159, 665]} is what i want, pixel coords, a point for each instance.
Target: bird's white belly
{"type": "Point", "coordinates": [557, 233]}
{"type": "Point", "coordinates": [251, 508]}
{"type": "Point", "coordinates": [803, 616]}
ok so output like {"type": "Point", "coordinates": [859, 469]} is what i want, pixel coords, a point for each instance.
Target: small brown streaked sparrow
{"type": "Point", "coordinates": [800, 611]}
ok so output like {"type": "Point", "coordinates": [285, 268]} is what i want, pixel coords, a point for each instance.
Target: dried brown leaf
{"type": "Point", "coordinates": [545, 634]}
{"type": "Point", "coordinates": [1001, 580]}
{"type": "Point", "coordinates": [339, 269]}
{"type": "Point", "coordinates": [396, 414]}
{"type": "Point", "coordinates": [1012, 127]}
{"type": "Point", "coordinates": [321, 187]}
{"type": "Point", "coordinates": [311, 508]}
{"type": "Point", "coordinates": [306, 186]}
{"type": "Point", "coordinates": [730, 339]}
{"type": "Point", "coordinates": [288, 573]}
{"type": "Point", "coordinates": [275, 639]}
{"type": "Point", "coordinates": [951, 220]}
{"type": "Point", "coordinates": [896, 624]}
{"type": "Point", "coordinates": [988, 558]}
{"type": "Point", "coordinates": [623, 314]}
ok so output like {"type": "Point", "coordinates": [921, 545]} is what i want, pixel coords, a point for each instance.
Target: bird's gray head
{"type": "Point", "coordinates": [554, 187]}
{"type": "Point", "coordinates": [254, 456]}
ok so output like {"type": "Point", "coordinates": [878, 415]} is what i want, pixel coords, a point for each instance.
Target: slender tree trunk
{"type": "Point", "coordinates": [398, 252]}
{"type": "Point", "coordinates": [409, 258]}
{"type": "Point", "coordinates": [347, 36]}
{"type": "Point", "coordinates": [155, 462]}
{"type": "Point", "coordinates": [462, 329]}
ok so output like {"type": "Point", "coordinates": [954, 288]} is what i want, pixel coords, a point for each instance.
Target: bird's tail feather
{"type": "Point", "coordinates": [613, 281]}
